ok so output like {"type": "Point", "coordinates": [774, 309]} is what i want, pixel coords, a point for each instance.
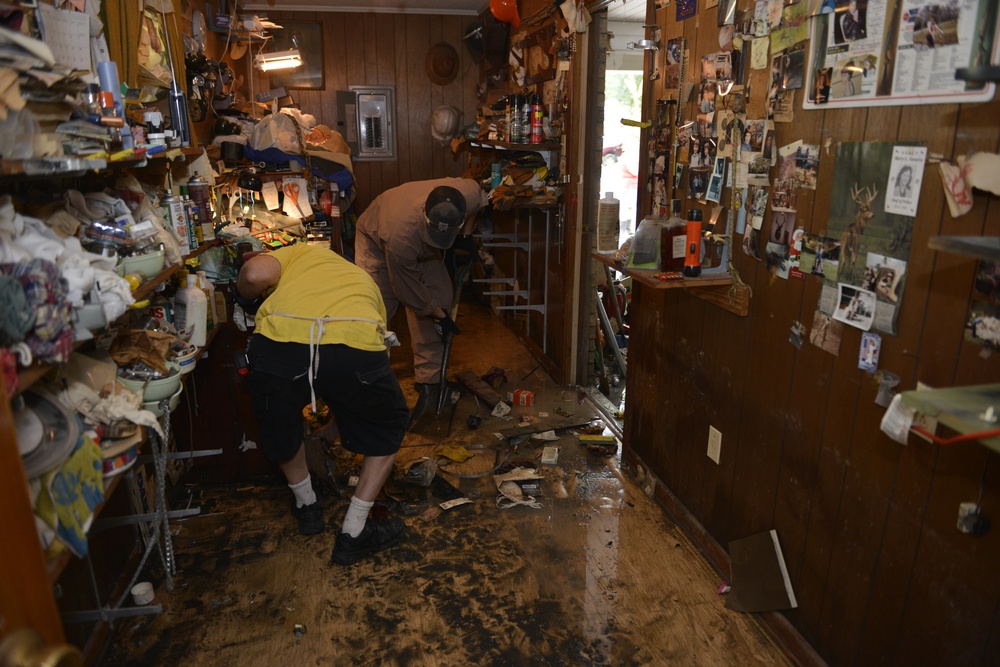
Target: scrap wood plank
{"type": "Point", "coordinates": [543, 425]}
{"type": "Point", "coordinates": [480, 388]}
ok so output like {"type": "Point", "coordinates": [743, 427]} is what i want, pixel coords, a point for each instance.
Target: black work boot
{"type": "Point", "coordinates": [376, 536]}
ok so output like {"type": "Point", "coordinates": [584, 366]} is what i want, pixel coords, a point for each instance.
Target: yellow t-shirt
{"type": "Point", "coordinates": [317, 282]}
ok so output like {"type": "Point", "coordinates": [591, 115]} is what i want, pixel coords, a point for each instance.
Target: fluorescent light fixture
{"type": "Point", "coordinates": [280, 60]}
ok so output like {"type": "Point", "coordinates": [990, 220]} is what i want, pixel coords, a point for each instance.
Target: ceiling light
{"type": "Point", "coordinates": [280, 60]}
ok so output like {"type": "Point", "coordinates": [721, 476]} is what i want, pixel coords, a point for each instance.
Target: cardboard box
{"type": "Point", "coordinates": [521, 397]}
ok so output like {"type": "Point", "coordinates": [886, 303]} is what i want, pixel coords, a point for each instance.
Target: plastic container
{"type": "Point", "coordinates": [208, 288]}
{"type": "Point", "coordinates": [673, 240]}
{"type": "Point", "coordinates": [142, 593]}
{"type": "Point", "coordinates": [191, 311]}
{"type": "Point", "coordinates": [607, 223]}
{"type": "Point", "coordinates": [645, 251]}
{"type": "Point", "coordinates": [537, 112]}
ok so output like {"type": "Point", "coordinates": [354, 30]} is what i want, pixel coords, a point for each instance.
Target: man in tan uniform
{"type": "Point", "coordinates": [399, 242]}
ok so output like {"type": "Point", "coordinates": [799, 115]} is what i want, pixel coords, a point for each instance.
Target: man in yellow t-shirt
{"type": "Point", "coordinates": [321, 332]}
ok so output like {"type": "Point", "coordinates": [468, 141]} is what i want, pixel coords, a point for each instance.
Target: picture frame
{"type": "Point", "coordinates": [308, 38]}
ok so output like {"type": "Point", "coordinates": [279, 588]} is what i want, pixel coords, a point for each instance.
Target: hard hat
{"type": "Point", "coordinates": [506, 11]}
{"type": "Point", "coordinates": [444, 122]}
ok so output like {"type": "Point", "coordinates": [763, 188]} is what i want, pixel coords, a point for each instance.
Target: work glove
{"type": "Point", "coordinates": [445, 325]}
{"type": "Point", "coordinates": [249, 306]}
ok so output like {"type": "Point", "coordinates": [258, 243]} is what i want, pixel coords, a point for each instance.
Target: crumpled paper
{"type": "Point", "coordinates": [149, 347]}
{"type": "Point", "coordinates": [511, 493]}
{"type": "Point", "coordinates": [980, 171]}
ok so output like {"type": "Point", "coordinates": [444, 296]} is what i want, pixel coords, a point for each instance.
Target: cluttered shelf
{"type": "Point", "coordinates": [508, 146]}
{"type": "Point", "coordinates": [965, 410]}
{"type": "Point", "coordinates": [651, 277]}
{"type": "Point", "coordinates": [720, 290]}
{"type": "Point", "coordinates": [147, 287]}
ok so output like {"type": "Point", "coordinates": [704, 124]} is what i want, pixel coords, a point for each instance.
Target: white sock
{"type": "Point", "coordinates": [304, 494]}
{"type": "Point", "coordinates": [357, 514]}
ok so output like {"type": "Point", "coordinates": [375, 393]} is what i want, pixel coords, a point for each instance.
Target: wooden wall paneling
{"type": "Point", "coordinates": [437, 98]}
{"type": "Point", "coordinates": [846, 125]}
{"type": "Point", "coordinates": [418, 102]}
{"type": "Point", "coordinates": [400, 30]}
{"type": "Point", "coordinates": [884, 610]}
{"type": "Point", "coordinates": [688, 347]}
{"type": "Point", "coordinates": [811, 368]}
{"type": "Point", "coordinates": [943, 551]}
{"type": "Point", "coordinates": [456, 93]}
{"type": "Point", "coordinates": [335, 45]}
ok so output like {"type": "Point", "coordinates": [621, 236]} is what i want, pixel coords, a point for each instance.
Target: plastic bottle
{"type": "Point", "coordinates": [607, 223]}
{"type": "Point", "coordinates": [645, 250]}
{"type": "Point", "coordinates": [191, 311]}
{"type": "Point", "coordinates": [673, 240]}
{"type": "Point", "coordinates": [692, 258]}
{"type": "Point", "coordinates": [536, 119]}
{"type": "Point", "coordinates": [209, 289]}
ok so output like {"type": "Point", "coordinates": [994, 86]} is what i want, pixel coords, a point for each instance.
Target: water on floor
{"type": "Point", "coordinates": [594, 574]}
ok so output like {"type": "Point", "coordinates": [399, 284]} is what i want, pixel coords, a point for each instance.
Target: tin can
{"type": "Point", "coordinates": [201, 194]}
{"type": "Point", "coordinates": [173, 211]}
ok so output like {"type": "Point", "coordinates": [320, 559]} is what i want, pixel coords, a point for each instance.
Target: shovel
{"type": "Point", "coordinates": [431, 419]}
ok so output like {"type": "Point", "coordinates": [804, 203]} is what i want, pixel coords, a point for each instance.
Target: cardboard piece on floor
{"type": "Point", "coordinates": [480, 388]}
{"type": "Point", "coordinates": [759, 577]}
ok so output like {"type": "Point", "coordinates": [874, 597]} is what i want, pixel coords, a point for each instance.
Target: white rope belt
{"type": "Point", "coordinates": [316, 331]}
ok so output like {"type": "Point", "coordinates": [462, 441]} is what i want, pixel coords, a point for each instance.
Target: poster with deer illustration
{"type": "Point", "coordinates": [859, 221]}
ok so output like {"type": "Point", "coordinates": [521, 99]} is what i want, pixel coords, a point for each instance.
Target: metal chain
{"type": "Point", "coordinates": [160, 464]}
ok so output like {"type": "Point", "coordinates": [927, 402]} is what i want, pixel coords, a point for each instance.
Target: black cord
{"type": "Point", "coordinates": [982, 479]}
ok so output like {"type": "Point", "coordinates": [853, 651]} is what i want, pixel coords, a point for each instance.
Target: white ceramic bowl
{"type": "Point", "coordinates": [147, 265]}
{"type": "Point", "coordinates": [154, 406]}
{"type": "Point", "coordinates": [186, 362]}
{"type": "Point", "coordinates": [156, 389]}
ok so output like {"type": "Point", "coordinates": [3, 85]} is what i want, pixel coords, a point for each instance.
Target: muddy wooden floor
{"type": "Point", "coordinates": [597, 575]}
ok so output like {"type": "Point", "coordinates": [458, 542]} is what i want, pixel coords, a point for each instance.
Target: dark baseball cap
{"type": "Point", "coordinates": [444, 213]}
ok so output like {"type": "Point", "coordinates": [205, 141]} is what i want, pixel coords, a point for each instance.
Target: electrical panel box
{"type": "Point", "coordinates": [367, 119]}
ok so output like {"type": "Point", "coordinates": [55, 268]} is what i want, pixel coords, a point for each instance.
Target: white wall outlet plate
{"type": "Point", "coordinates": [714, 444]}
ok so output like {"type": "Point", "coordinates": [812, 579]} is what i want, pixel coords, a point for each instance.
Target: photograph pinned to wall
{"type": "Point", "coordinates": [730, 128]}
{"type": "Point", "coordinates": [781, 108]}
{"type": "Point", "coordinates": [753, 138]}
{"type": "Point", "coordinates": [776, 260]}
{"type": "Point", "coordinates": [767, 150]}
{"type": "Point", "coordinates": [706, 98]}
{"type": "Point", "coordinates": [806, 166]}
{"type": "Point", "coordinates": [751, 242]}
{"type": "Point", "coordinates": [708, 67]}
{"type": "Point", "coordinates": [856, 216]}
{"type": "Point", "coordinates": [757, 203]}
{"type": "Point", "coordinates": [982, 325]}
{"type": "Point", "coordinates": [795, 254]}
{"type": "Point", "coordinates": [884, 276]}
{"type": "Point", "coordinates": [673, 54]}
{"type": "Point", "coordinates": [723, 66]}
{"type": "Point", "coordinates": [759, 170]}
{"type": "Point", "coordinates": [786, 160]}
{"type": "Point", "coordinates": [793, 68]}
{"type": "Point", "coordinates": [935, 25]}
{"type": "Point", "coordinates": [826, 333]}
{"type": "Point", "coordinates": [307, 38]}
{"type": "Point", "coordinates": [760, 25]}
{"type": "Point", "coordinates": [871, 346]}
{"type": "Point", "coordinates": [660, 202]}
{"type": "Point", "coordinates": [774, 8]}
{"type": "Point", "coordinates": [851, 25]}
{"type": "Point", "coordinates": [686, 9]}
{"type": "Point", "coordinates": [705, 124]}
{"type": "Point", "coordinates": [797, 334]}
{"type": "Point", "coordinates": [793, 27]}
{"type": "Point", "coordinates": [785, 196]}
{"type": "Point", "coordinates": [739, 204]}
{"type": "Point", "coordinates": [716, 180]}
{"type": "Point", "coordinates": [782, 226]}
{"type": "Point", "coordinates": [678, 175]}
{"type": "Point", "coordinates": [740, 177]}
{"type": "Point", "coordinates": [684, 134]}
{"type": "Point", "coordinates": [848, 80]}
{"type": "Point", "coordinates": [698, 182]}
{"type": "Point", "coordinates": [662, 124]}
{"type": "Point", "coordinates": [822, 7]}
{"type": "Point", "coordinates": [820, 256]}
{"type": "Point", "coordinates": [819, 93]}
{"type": "Point", "coordinates": [906, 173]}
{"type": "Point", "coordinates": [855, 306]}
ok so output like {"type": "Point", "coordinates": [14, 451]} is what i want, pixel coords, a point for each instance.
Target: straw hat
{"type": "Point", "coordinates": [442, 64]}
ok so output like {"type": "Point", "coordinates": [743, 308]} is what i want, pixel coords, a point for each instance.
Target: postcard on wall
{"type": "Point", "coordinates": [782, 226]}
{"type": "Point", "coordinates": [795, 254]}
{"type": "Point", "coordinates": [759, 170]}
{"type": "Point", "coordinates": [855, 307]}
{"type": "Point", "coordinates": [906, 173]}
{"type": "Point", "coordinates": [776, 256]}
{"type": "Point", "coordinates": [757, 203]}
{"type": "Point", "coordinates": [820, 256]}
{"type": "Point", "coordinates": [871, 345]}
{"type": "Point", "coordinates": [785, 196]}
{"type": "Point", "coordinates": [826, 333]}
{"type": "Point", "coordinates": [793, 29]}
{"type": "Point", "coordinates": [751, 242]}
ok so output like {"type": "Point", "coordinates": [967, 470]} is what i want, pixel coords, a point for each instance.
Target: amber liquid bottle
{"type": "Point", "coordinates": [673, 240]}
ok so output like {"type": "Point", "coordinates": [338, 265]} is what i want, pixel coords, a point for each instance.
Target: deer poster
{"type": "Point", "coordinates": [870, 238]}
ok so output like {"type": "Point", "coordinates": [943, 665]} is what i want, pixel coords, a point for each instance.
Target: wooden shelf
{"type": "Point", "coordinates": [144, 289]}
{"type": "Point", "coordinates": [981, 247]}
{"type": "Point", "coordinates": [959, 408]}
{"type": "Point", "coordinates": [720, 290]}
{"type": "Point", "coordinates": [507, 146]}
